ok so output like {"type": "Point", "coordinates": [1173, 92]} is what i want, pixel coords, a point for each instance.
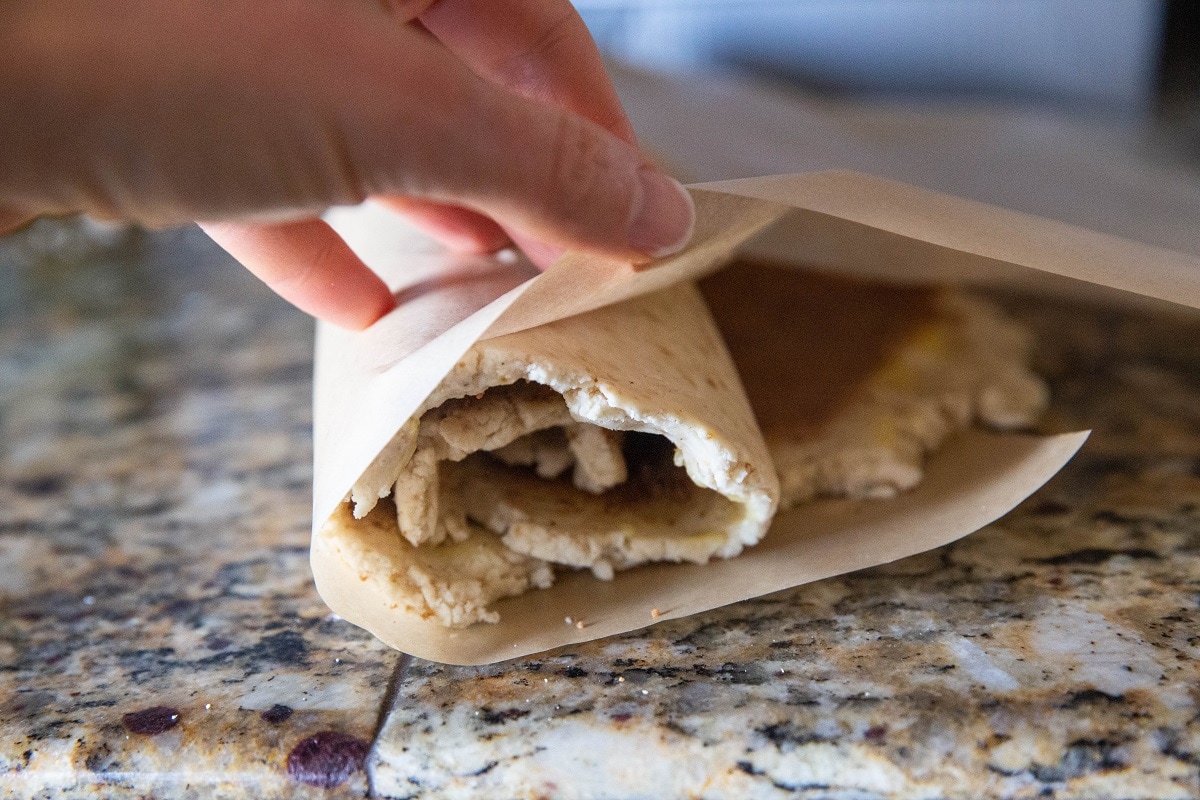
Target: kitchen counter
{"type": "Point", "coordinates": [159, 633]}
{"type": "Point", "coordinates": [1053, 653]}
{"type": "Point", "coordinates": [160, 636]}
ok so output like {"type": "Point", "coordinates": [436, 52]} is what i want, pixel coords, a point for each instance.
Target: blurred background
{"type": "Point", "coordinates": [1085, 111]}
{"type": "Point", "coordinates": [1110, 58]}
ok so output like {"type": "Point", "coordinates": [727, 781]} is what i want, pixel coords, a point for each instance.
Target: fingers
{"type": "Point", "coordinates": [460, 229]}
{"type": "Point", "coordinates": [540, 49]}
{"type": "Point", "coordinates": [416, 123]}
{"type": "Point", "coordinates": [308, 265]}
{"type": "Point", "coordinates": [304, 107]}
{"type": "Point", "coordinates": [554, 177]}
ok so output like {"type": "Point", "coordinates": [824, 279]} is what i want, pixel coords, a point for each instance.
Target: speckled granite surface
{"type": "Point", "coordinates": [159, 636]}
{"type": "Point", "coordinates": [159, 633]}
{"type": "Point", "coordinates": [1052, 654]}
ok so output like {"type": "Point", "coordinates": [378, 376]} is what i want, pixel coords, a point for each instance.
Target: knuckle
{"type": "Point", "coordinates": [558, 34]}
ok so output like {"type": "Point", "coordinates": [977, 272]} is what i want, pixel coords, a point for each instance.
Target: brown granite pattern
{"type": "Point", "coordinates": [1053, 654]}
{"type": "Point", "coordinates": [159, 632]}
{"type": "Point", "coordinates": [154, 484]}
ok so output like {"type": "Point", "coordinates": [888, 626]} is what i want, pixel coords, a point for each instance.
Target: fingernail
{"type": "Point", "coordinates": [663, 222]}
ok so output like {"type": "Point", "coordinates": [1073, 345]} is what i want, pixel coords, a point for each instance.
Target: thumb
{"type": "Point", "coordinates": [539, 170]}
{"type": "Point", "coordinates": [273, 110]}
{"type": "Point", "coordinates": [549, 174]}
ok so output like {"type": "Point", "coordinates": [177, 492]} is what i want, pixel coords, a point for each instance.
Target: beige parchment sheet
{"type": "Point", "coordinates": [368, 384]}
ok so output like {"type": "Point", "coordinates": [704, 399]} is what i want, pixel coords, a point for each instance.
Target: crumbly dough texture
{"type": "Point", "coordinates": [454, 583]}
{"type": "Point", "coordinates": [603, 533]}
{"type": "Point", "coordinates": [524, 440]}
{"type": "Point", "coordinates": [521, 459]}
{"type": "Point", "coordinates": [964, 366]}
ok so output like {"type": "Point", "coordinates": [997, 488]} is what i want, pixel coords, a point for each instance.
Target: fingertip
{"type": "Point", "coordinates": [366, 312]}
{"type": "Point", "coordinates": [665, 217]}
{"type": "Point", "coordinates": [308, 264]}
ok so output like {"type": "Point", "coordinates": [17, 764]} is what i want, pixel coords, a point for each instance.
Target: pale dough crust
{"type": "Point", "coordinates": [528, 454]}
{"type": "Point", "coordinates": [454, 583]}
{"type": "Point", "coordinates": [526, 439]}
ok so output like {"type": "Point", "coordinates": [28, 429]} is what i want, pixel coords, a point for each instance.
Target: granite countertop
{"type": "Point", "coordinates": [1051, 654]}
{"type": "Point", "coordinates": [160, 635]}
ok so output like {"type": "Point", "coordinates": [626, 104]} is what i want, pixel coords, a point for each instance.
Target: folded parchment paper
{"type": "Point", "coordinates": [369, 384]}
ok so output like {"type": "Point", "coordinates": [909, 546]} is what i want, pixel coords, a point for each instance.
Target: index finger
{"type": "Point", "coordinates": [537, 48]}
{"type": "Point", "coordinates": [306, 263]}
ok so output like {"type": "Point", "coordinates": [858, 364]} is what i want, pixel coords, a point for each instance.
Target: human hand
{"type": "Point", "coordinates": [476, 119]}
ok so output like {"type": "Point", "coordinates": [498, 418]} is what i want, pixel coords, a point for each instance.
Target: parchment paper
{"type": "Point", "coordinates": [368, 384]}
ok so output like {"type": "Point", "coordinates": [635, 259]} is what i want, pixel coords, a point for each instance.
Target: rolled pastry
{"type": "Point", "coordinates": [854, 383]}
{"type": "Point", "coordinates": [602, 441]}
{"type": "Point", "coordinates": [624, 436]}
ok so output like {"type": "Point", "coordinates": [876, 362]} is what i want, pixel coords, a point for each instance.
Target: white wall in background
{"type": "Point", "coordinates": [1097, 54]}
